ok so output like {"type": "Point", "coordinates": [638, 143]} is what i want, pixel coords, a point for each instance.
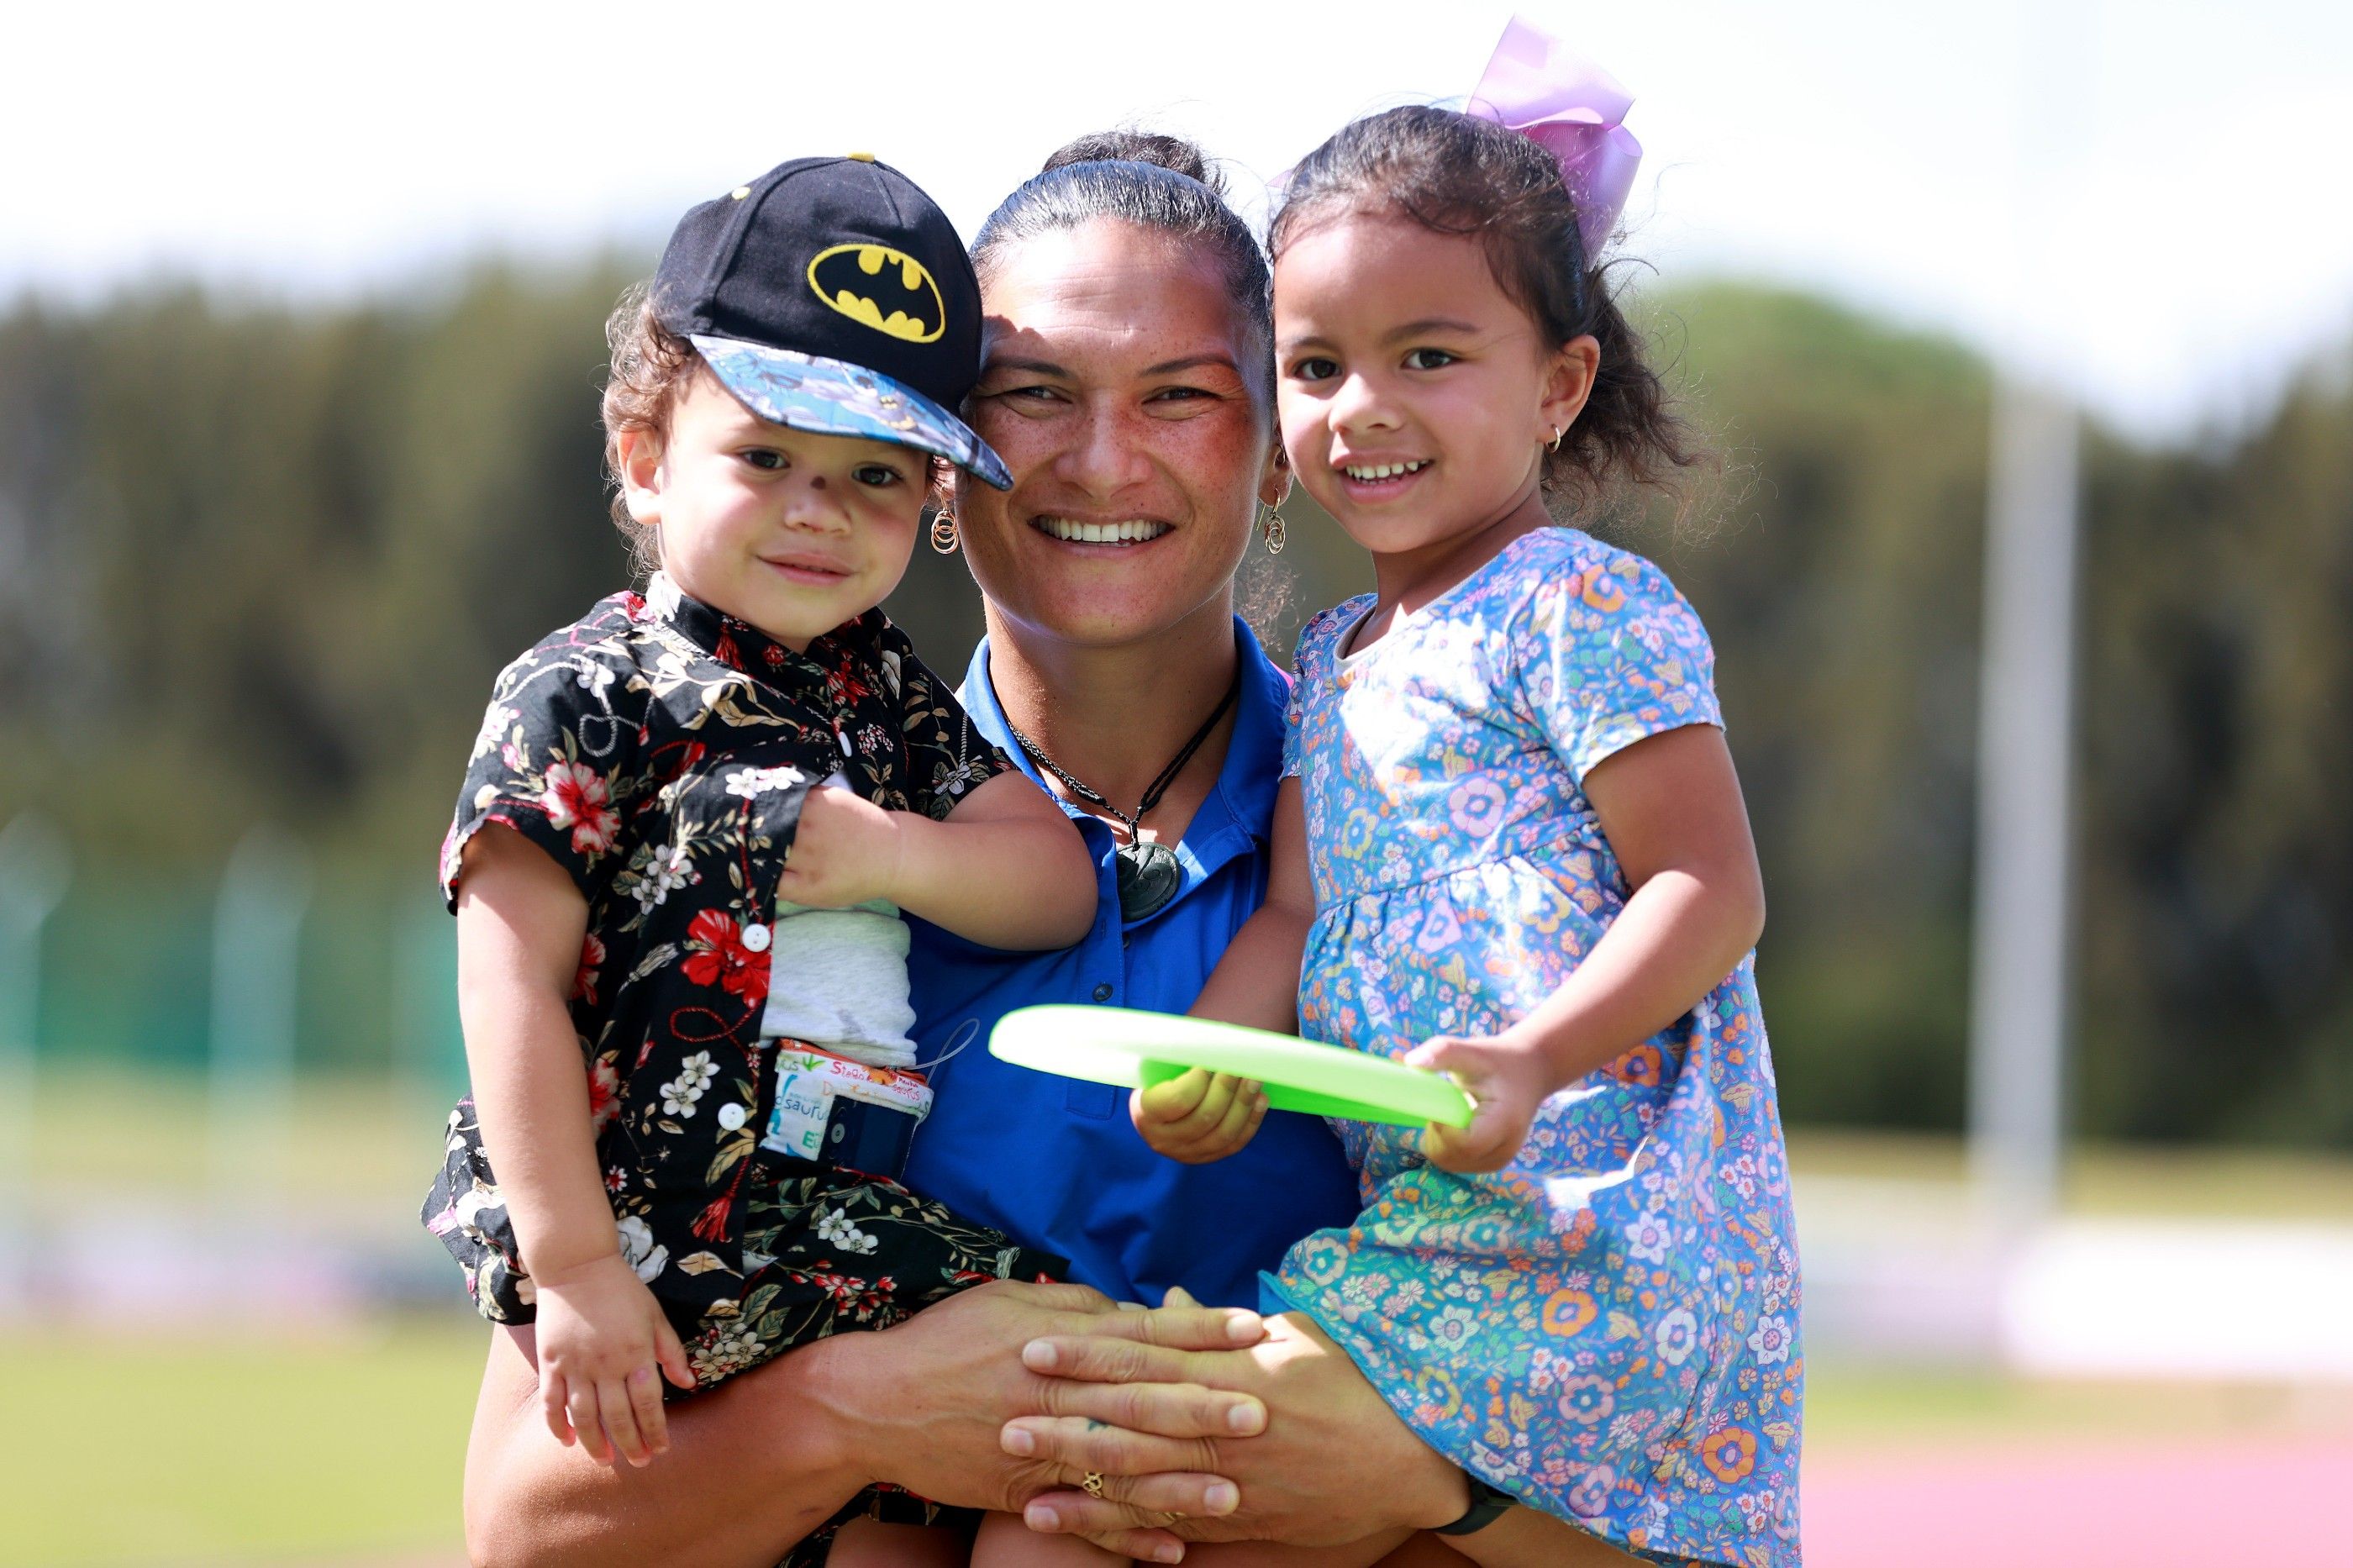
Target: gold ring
{"type": "Point", "coordinates": [1092, 1485]}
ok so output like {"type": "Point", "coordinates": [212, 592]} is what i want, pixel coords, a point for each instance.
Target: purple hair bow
{"type": "Point", "coordinates": [1572, 109]}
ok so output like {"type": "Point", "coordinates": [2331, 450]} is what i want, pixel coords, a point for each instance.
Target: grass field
{"type": "Point", "coordinates": [137, 1447]}
{"type": "Point", "coordinates": [145, 1451]}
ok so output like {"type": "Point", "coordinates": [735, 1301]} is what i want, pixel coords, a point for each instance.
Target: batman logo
{"type": "Point", "coordinates": [887, 290]}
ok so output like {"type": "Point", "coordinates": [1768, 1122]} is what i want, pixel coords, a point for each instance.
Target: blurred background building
{"type": "Point", "coordinates": [299, 351]}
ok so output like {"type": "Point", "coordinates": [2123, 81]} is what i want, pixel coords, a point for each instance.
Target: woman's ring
{"type": "Point", "coordinates": [1092, 1485]}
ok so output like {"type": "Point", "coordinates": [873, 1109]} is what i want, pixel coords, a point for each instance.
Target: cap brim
{"type": "Point", "coordinates": [834, 398]}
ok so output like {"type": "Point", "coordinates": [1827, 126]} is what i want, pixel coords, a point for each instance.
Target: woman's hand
{"type": "Point", "coordinates": [1302, 1482]}
{"type": "Point", "coordinates": [761, 1459]}
{"type": "Point", "coordinates": [958, 1373]}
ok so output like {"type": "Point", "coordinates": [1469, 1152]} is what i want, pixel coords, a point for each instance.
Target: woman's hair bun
{"type": "Point", "coordinates": [1172, 152]}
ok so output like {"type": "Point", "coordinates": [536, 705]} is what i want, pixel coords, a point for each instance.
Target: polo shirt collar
{"type": "Point", "coordinates": [737, 644]}
{"type": "Point", "coordinates": [1237, 812]}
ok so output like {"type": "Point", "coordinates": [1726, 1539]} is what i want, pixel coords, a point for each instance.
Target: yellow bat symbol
{"type": "Point", "coordinates": [887, 290]}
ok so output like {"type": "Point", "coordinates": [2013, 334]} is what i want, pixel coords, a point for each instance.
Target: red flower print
{"type": "Point", "coordinates": [579, 798]}
{"type": "Point", "coordinates": [716, 956]}
{"type": "Point", "coordinates": [583, 983]}
{"type": "Point", "coordinates": [603, 1092]}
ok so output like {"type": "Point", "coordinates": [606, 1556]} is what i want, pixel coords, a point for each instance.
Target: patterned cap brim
{"type": "Point", "coordinates": [834, 398]}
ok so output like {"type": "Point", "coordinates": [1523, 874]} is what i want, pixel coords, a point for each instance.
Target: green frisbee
{"type": "Point", "coordinates": [1137, 1050]}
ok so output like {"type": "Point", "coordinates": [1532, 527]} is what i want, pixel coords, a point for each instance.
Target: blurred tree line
{"type": "Point", "coordinates": [261, 564]}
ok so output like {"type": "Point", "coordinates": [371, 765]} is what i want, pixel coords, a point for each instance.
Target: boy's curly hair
{"type": "Point", "coordinates": [651, 364]}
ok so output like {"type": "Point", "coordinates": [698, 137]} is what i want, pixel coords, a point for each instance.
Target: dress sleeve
{"type": "Point", "coordinates": [1292, 707]}
{"type": "Point", "coordinates": [556, 760]}
{"type": "Point", "coordinates": [947, 756]}
{"type": "Point", "coordinates": [1611, 654]}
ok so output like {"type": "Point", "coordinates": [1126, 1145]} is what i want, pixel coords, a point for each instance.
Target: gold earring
{"type": "Point", "coordinates": [1274, 531]}
{"type": "Point", "coordinates": [943, 531]}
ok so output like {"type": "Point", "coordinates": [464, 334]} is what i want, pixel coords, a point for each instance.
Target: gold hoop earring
{"type": "Point", "coordinates": [1272, 529]}
{"type": "Point", "coordinates": [943, 531]}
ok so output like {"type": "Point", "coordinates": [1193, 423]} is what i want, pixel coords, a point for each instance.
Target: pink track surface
{"type": "Point", "coordinates": [2041, 1504]}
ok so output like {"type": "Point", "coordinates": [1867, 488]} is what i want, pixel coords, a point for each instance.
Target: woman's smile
{"type": "Point", "coordinates": [1125, 533]}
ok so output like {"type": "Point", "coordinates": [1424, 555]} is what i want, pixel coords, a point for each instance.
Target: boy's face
{"type": "Point", "coordinates": [792, 532]}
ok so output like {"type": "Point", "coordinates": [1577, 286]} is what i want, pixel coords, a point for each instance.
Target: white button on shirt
{"type": "Point", "coordinates": [756, 938]}
{"type": "Point", "coordinates": [731, 1114]}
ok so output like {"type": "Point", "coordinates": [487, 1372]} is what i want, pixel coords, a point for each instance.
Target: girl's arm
{"type": "Point", "coordinates": [1256, 980]}
{"type": "Point", "coordinates": [1006, 870]}
{"type": "Point", "coordinates": [602, 1336]}
{"type": "Point", "coordinates": [1670, 807]}
{"type": "Point", "coordinates": [1206, 1116]}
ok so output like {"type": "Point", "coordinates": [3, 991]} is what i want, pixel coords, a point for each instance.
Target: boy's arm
{"type": "Point", "coordinates": [520, 921]}
{"type": "Point", "coordinates": [1006, 870]}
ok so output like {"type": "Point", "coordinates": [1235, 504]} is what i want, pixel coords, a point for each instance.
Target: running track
{"type": "Point", "coordinates": [2268, 1502]}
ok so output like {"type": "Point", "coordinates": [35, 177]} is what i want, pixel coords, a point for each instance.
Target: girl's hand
{"type": "Point", "coordinates": [601, 1338]}
{"type": "Point", "coordinates": [1506, 1080]}
{"type": "Point", "coordinates": [845, 851]}
{"type": "Point", "coordinates": [1199, 1117]}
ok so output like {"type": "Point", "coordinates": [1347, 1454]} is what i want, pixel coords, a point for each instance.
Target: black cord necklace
{"type": "Point", "coordinates": [1148, 873]}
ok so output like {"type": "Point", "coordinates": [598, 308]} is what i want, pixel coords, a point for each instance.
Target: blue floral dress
{"type": "Point", "coordinates": [1608, 1327]}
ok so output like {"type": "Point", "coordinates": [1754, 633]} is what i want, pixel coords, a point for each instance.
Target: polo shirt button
{"type": "Point", "coordinates": [730, 1115]}
{"type": "Point", "coordinates": [1102, 992]}
{"type": "Point", "coordinates": [756, 938]}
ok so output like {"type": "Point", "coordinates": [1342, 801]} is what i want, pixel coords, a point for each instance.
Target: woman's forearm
{"type": "Point", "coordinates": [762, 1460]}
{"type": "Point", "coordinates": [754, 1465]}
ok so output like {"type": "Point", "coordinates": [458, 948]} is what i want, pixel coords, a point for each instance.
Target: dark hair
{"type": "Point", "coordinates": [1455, 173]}
{"type": "Point", "coordinates": [1156, 182]}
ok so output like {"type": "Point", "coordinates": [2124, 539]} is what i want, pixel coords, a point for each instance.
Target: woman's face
{"type": "Point", "coordinates": [1112, 384]}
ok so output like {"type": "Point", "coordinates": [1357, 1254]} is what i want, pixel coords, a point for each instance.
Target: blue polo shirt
{"type": "Point", "coordinates": [1054, 1163]}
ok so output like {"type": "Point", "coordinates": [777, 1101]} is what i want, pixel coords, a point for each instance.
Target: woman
{"type": "Point", "coordinates": [1127, 380]}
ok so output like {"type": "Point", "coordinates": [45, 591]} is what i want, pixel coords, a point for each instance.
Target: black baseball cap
{"type": "Point", "coordinates": [832, 295]}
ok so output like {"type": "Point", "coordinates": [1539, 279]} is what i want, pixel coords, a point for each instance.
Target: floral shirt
{"type": "Point", "coordinates": [659, 751]}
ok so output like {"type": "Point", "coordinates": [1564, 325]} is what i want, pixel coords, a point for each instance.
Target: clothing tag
{"type": "Point", "coordinates": [803, 1106]}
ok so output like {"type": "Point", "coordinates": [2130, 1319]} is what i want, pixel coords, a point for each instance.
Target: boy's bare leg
{"type": "Point", "coordinates": [869, 1543]}
{"type": "Point", "coordinates": [1004, 1542]}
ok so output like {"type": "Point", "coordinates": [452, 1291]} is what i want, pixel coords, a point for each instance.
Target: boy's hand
{"type": "Point", "coordinates": [1199, 1117]}
{"type": "Point", "coordinates": [845, 851]}
{"type": "Point", "coordinates": [1505, 1080]}
{"type": "Point", "coordinates": [601, 1338]}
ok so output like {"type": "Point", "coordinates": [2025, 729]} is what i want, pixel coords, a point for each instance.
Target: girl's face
{"type": "Point", "coordinates": [1112, 384]}
{"type": "Point", "coordinates": [1415, 396]}
{"type": "Point", "coordinates": [792, 532]}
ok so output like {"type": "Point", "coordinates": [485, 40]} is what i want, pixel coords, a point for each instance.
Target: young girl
{"type": "Point", "coordinates": [688, 826]}
{"type": "Point", "coordinates": [1524, 862]}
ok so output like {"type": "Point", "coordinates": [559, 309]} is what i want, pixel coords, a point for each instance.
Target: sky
{"type": "Point", "coordinates": [2143, 202]}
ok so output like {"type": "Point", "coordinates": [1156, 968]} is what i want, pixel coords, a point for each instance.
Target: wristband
{"type": "Point", "coordinates": [1487, 1505]}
